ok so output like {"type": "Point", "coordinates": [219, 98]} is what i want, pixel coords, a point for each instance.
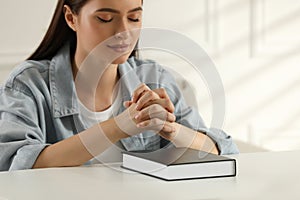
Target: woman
{"type": "Point", "coordinates": [44, 113]}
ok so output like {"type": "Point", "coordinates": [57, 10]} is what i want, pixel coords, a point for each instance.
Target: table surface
{"type": "Point", "coordinates": [267, 175]}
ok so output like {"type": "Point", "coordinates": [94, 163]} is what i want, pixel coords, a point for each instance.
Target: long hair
{"type": "Point", "coordinates": [59, 33]}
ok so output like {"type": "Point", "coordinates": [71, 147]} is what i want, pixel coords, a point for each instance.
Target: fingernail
{"type": "Point", "coordinates": [136, 107]}
{"type": "Point", "coordinates": [137, 116]}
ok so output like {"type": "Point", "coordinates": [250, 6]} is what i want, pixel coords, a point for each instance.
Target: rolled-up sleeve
{"type": "Point", "coordinates": [189, 117]}
{"type": "Point", "coordinates": [21, 139]}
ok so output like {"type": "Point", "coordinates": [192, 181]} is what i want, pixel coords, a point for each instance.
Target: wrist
{"type": "Point", "coordinates": [204, 143]}
{"type": "Point", "coordinates": [112, 130]}
{"type": "Point", "coordinates": [189, 138]}
{"type": "Point", "coordinates": [183, 136]}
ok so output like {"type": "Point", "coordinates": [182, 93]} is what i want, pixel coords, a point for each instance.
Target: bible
{"type": "Point", "coordinates": [179, 164]}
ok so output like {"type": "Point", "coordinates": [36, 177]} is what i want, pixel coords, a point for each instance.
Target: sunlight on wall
{"type": "Point", "coordinates": [257, 55]}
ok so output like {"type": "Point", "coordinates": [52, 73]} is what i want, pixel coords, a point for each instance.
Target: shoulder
{"type": "Point", "coordinates": [27, 73]}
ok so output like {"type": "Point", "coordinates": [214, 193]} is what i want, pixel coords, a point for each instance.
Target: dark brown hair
{"type": "Point", "coordinates": [59, 33]}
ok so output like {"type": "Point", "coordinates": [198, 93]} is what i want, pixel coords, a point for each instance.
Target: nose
{"type": "Point", "coordinates": [122, 32]}
{"type": "Point", "coordinates": [122, 35]}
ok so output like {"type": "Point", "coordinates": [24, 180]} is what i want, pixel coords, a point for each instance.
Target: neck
{"type": "Point", "coordinates": [101, 98]}
{"type": "Point", "coordinates": [106, 87]}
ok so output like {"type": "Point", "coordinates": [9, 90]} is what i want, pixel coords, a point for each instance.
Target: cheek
{"type": "Point", "coordinates": [95, 34]}
{"type": "Point", "coordinates": [92, 33]}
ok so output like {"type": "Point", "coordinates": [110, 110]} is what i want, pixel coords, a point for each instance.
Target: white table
{"type": "Point", "coordinates": [268, 175]}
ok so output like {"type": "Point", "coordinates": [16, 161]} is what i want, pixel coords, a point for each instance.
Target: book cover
{"type": "Point", "coordinates": [179, 164]}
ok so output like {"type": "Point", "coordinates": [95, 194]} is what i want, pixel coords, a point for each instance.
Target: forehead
{"type": "Point", "coordinates": [120, 5]}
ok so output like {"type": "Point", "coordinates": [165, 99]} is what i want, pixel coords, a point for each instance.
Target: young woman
{"type": "Point", "coordinates": [45, 115]}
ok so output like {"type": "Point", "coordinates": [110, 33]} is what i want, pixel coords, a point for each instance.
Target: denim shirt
{"type": "Point", "coordinates": [39, 107]}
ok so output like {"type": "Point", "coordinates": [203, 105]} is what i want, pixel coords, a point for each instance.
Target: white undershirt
{"type": "Point", "coordinates": [90, 118]}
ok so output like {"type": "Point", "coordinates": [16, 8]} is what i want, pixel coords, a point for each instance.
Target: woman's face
{"type": "Point", "coordinates": [99, 20]}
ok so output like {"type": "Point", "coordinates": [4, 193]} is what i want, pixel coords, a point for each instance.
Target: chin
{"type": "Point", "coordinates": [121, 59]}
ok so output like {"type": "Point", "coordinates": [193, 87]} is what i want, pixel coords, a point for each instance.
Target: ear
{"type": "Point", "coordinates": [70, 17]}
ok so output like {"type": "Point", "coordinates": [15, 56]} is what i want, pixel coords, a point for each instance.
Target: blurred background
{"type": "Point", "coordinates": [254, 44]}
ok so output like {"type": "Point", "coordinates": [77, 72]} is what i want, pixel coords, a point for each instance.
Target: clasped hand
{"type": "Point", "coordinates": [148, 110]}
{"type": "Point", "coordinates": [153, 110]}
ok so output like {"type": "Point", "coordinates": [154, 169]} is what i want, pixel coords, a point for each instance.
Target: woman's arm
{"type": "Point", "coordinates": [186, 137]}
{"type": "Point", "coordinates": [181, 136]}
{"type": "Point", "coordinates": [88, 144]}
{"type": "Point", "coordinates": [78, 149]}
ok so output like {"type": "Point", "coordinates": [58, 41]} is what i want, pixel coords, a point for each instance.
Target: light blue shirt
{"type": "Point", "coordinates": [39, 107]}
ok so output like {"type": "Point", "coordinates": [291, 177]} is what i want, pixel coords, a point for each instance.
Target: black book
{"type": "Point", "coordinates": [179, 164]}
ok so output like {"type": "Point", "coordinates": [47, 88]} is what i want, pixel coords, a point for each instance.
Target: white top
{"type": "Point", "coordinates": [90, 118]}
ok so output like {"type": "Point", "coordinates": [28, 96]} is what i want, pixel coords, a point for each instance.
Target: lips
{"type": "Point", "coordinates": [120, 48]}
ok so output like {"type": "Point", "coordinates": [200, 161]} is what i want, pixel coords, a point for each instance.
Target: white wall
{"type": "Point", "coordinates": [254, 44]}
{"type": "Point", "coordinates": [23, 24]}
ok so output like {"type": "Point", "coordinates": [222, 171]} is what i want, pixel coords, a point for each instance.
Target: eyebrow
{"type": "Point", "coordinates": [116, 11]}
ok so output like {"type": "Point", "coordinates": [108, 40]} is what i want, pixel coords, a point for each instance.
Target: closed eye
{"type": "Point", "coordinates": [104, 20]}
{"type": "Point", "coordinates": [134, 20]}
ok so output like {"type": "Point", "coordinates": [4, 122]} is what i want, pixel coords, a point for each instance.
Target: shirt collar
{"type": "Point", "coordinates": [62, 85]}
